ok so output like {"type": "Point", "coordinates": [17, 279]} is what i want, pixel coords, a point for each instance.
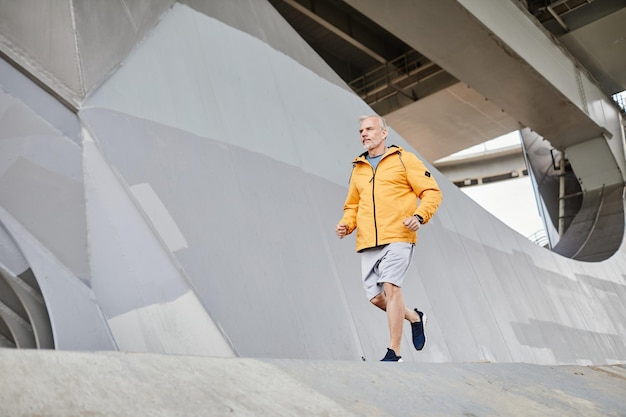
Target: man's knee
{"type": "Point", "coordinates": [390, 290]}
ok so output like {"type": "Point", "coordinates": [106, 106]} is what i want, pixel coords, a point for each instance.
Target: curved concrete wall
{"type": "Point", "coordinates": [208, 192]}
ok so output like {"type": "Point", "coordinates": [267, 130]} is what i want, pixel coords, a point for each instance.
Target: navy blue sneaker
{"type": "Point", "coordinates": [391, 356]}
{"type": "Point", "coordinates": [417, 328]}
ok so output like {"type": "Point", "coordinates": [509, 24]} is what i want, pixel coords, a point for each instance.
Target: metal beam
{"type": "Point", "coordinates": [343, 35]}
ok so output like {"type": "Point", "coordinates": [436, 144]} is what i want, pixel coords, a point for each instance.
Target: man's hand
{"type": "Point", "coordinates": [411, 223]}
{"type": "Point", "coordinates": [341, 230]}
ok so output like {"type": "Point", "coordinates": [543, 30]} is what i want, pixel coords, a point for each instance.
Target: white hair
{"type": "Point", "coordinates": [382, 122]}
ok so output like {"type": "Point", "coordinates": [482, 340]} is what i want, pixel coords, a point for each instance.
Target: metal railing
{"type": "Point", "coordinates": [391, 77]}
{"type": "Point", "coordinates": [621, 101]}
{"type": "Point", "coordinates": [540, 237]}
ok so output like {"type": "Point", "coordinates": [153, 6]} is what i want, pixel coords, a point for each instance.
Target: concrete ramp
{"type": "Point", "coordinates": [60, 383]}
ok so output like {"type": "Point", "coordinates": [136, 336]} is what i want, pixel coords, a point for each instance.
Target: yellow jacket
{"type": "Point", "coordinates": [378, 201]}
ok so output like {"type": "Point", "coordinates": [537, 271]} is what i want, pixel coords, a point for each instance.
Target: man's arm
{"type": "Point", "coordinates": [347, 224]}
{"type": "Point", "coordinates": [425, 187]}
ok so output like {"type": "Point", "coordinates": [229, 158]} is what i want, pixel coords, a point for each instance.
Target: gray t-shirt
{"type": "Point", "coordinates": [373, 160]}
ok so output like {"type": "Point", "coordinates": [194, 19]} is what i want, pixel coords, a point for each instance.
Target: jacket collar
{"type": "Point", "coordinates": [391, 149]}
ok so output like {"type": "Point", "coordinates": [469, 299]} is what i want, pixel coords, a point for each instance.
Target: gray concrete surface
{"type": "Point", "coordinates": [61, 383]}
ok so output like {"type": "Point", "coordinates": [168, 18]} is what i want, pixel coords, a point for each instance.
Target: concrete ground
{"type": "Point", "coordinates": [56, 383]}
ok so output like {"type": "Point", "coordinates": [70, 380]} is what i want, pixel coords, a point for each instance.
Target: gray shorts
{"type": "Point", "coordinates": [388, 263]}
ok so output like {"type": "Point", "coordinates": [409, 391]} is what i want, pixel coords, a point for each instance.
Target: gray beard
{"type": "Point", "coordinates": [371, 146]}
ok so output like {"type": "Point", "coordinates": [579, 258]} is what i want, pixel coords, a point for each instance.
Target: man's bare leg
{"type": "Point", "coordinates": [391, 300]}
{"type": "Point", "coordinates": [410, 315]}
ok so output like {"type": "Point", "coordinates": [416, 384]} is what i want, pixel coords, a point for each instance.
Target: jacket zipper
{"type": "Point", "coordinates": [373, 199]}
{"type": "Point", "coordinates": [374, 204]}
